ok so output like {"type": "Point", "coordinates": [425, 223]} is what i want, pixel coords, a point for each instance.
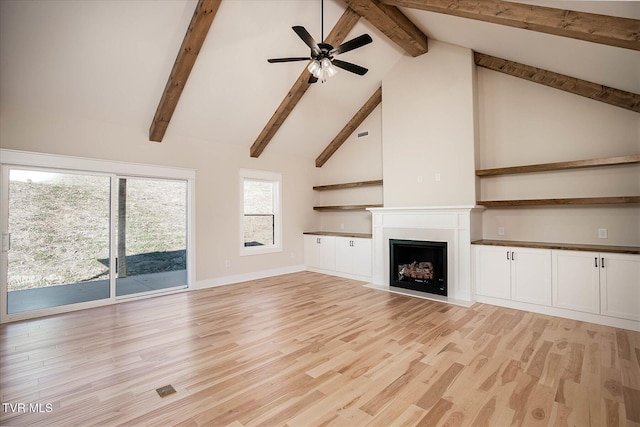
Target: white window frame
{"type": "Point", "coordinates": [68, 164]}
{"type": "Point", "coordinates": [276, 179]}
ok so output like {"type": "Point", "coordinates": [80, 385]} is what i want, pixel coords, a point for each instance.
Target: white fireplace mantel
{"type": "Point", "coordinates": [456, 225]}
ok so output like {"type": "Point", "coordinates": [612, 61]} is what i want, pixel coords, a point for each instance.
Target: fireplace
{"type": "Point", "coordinates": [458, 226]}
{"type": "Point", "coordinates": [418, 265]}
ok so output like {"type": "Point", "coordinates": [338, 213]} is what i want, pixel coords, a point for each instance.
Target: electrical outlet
{"type": "Point", "coordinates": [419, 178]}
{"type": "Point", "coordinates": [500, 231]}
{"type": "Point", "coordinates": [227, 263]}
{"type": "Point", "coordinates": [341, 226]}
{"type": "Point", "coordinates": [438, 176]}
{"type": "Point", "coordinates": [602, 233]}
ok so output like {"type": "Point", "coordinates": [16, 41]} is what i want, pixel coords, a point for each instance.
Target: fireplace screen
{"type": "Point", "coordinates": [418, 265]}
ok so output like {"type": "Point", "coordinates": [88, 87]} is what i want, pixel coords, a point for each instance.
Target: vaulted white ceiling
{"type": "Point", "coordinates": [109, 61]}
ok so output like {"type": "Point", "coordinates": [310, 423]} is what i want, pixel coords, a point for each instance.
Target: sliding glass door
{"type": "Point", "coordinates": [57, 244]}
{"type": "Point", "coordinates": [84, 239]}
{"type": "Point", "coordinates": [151, 235]}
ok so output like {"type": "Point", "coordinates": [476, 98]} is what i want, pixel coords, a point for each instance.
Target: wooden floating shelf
{"type": "Point", "coordinates": [348, 185]}
{"type": "Point", "coordinates": [339, 234]}
{"type": "Point", "coordinates": [346, 207]}
{"type": "Point", "coordinates": [608, 161]}
{"type": "Point", "coordinates": [561, 246]}
{"type": "Point", "coordinates": [556, 202]}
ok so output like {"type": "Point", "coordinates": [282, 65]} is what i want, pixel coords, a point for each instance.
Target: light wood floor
{"type": "Point", "coordinates": [309, 350]}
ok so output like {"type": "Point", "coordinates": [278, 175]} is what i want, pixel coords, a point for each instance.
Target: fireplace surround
{"type": "Point", "coordinates": [455, 225]}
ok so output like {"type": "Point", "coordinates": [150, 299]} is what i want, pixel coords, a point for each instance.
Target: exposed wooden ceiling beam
{"type": "Point", "coordinates": [393, 23]}
{"type": "Point", "coordinates": [609, 30]}
{"type": "Point", "coordinates": [337, 35]}
{"type": "Point", "coordinates": [355, 121]}
{"type": "Point", "coordinates": [616, 97]}
{"type": "Point", "coordinates": [191, 44]}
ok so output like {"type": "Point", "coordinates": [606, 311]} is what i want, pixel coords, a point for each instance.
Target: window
{"type": "Point", "coordinates": [260, 210]}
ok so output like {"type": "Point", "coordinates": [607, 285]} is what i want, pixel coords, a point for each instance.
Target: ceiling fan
{"type": "Point", "coordinates": [323, 64]}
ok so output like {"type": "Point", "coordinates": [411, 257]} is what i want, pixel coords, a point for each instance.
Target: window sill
{"type": "Point", "coordinates": [258, 250]}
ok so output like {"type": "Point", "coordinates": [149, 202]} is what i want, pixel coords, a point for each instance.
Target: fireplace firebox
{"type": "Point", "coordinates": [418, 265]}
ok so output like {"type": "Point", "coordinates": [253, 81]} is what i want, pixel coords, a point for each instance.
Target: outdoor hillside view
{"type": "Point", "coordinates": [258, 213]}
{"type": "Point", "coordinates": [59, 226]}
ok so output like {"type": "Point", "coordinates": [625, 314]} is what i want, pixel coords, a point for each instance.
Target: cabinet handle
{"type": "Point", "coordinates": [602, 262]}
{"type": "Point", "coordinates": [596, 261]}
{"type": "Point", "coordinates": [318, 240]}
{"type": "Point", "coordinates": [513, 256]}
{"type": "Point", "coordinates": [507, 255]}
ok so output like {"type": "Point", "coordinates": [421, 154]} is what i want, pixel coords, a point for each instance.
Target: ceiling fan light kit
{"type": "Point", "coordinates": [322, 70]}
{"type": "Point", "coordinates": [323, 65]}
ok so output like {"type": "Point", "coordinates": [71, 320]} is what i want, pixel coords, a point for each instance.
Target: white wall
{"type": "Point", "coordinates": [428, 129]}
{"type": "Point", "coordinates": [521, 123]}
{"type": "Point", "coordinates": [216, 165]}
{"type": "Point", "coordinates": [430, 126]}
{"type": "Point", "coordinates": [358, 159]}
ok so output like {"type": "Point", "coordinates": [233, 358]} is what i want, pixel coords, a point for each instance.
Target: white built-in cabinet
{"type": "Point", "coordinates": [604, 283]}
{"type": "Point", "coordinates": [342, 255]}
{"type": "Point", "coordinates": [519, 274]}
{"type": "Point", "coordinates": [620, 286]}
{"type": "Point", "coordinates": [353, 255]}
{"type": "Point", "coordinates": [493, 272]}
{"type": "Point", "coordinates": [320, 252]}
{"type": "Point", "coordinates": [576, 281]}
{"type": "Point", "coordinates": [600, 283]}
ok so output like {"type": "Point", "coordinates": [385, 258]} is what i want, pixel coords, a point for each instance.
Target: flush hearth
{"type": "Point", "coordinates": [418, 265]}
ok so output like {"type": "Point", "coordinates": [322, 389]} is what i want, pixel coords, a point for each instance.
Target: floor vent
{"type": "Point", "coordinates": [166, 390]}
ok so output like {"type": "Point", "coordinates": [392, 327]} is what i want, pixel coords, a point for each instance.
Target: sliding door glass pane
{"type": "Point", "coordinates": [151, 235]}
{"type": "Point", "coordinates": [59, 232]}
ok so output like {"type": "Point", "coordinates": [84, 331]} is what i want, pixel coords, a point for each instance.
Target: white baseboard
{"type": "Point", "coordinates": [245, 277]}
{"type": "Point", "coordinates": [561, 312]}
{"type": "Point", "coordinates": [339, 274]}
{"type": "Point", "coordinates": [418, 294]}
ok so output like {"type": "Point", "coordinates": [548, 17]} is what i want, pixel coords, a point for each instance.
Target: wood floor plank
{"type": "Point", "coordinates": [438, 387]}
{"type": "Point", "coordinates": [309, 349]}
{"type": "Point", "coordinates": [632, 403]}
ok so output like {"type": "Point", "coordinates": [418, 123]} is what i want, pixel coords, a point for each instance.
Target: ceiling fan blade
{"type": "Point", "coordinates": [356, 69]}
{"type": "Point", "coordinates": [298, 58]}
{"type": "Point", "coordinates": [312, 79]}
{"type": "Point", "coordinates": [352, 44]}
{"type": "Point", "coordinates": [306, 37]}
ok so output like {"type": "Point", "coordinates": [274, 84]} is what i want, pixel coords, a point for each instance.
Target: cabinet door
{"type": "Point", "coordinates": [344, 255]}
{"type": "Point", "coordinates": [531, 275]}
{"type": "Point", "coordinates": [361, 262]}
{"type": "Point", "coordinates": [492, 271]}
{"type": "Point", "coordinates": [620, 285]}
{"type": "Point", "coordinates": [353, 256]}
{"type": "Point", "coordinates": [576, 281]}
{"type": "Point", "coordinates": [311, 251]}
{"type": "Point", "coordinates": [327, 252]}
